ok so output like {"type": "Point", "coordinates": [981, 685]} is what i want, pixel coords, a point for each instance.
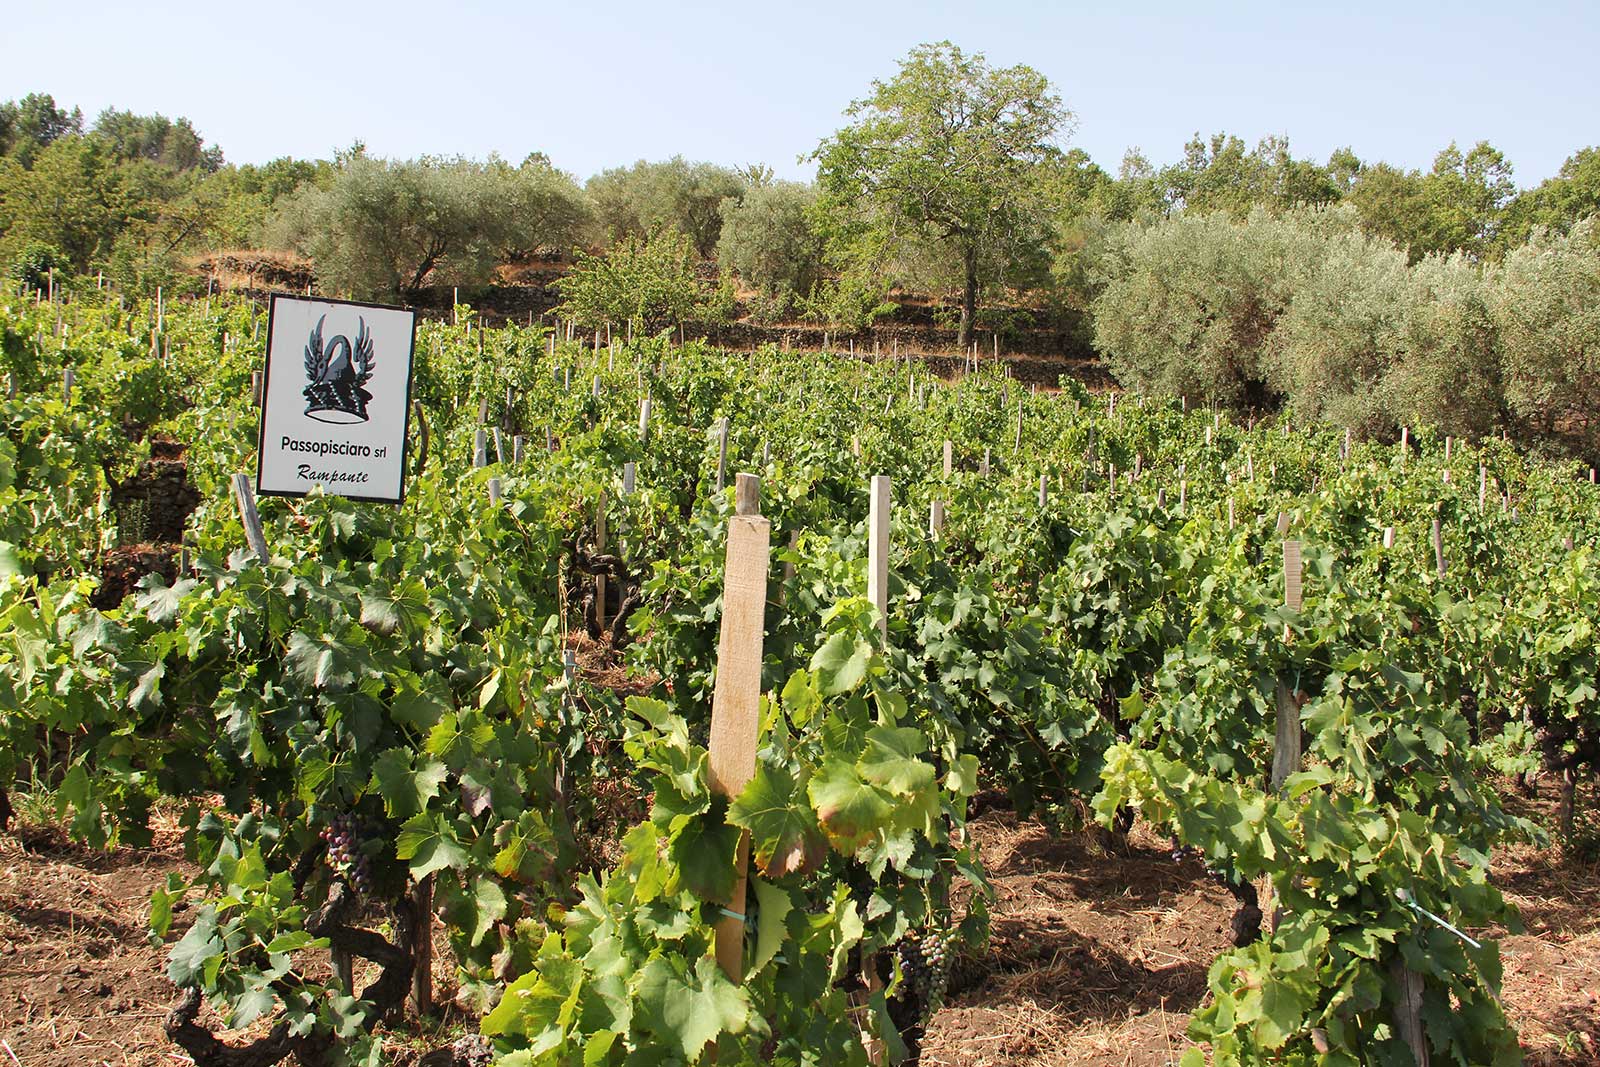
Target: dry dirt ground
{"type": "Point", "coordinates": [1097, 958]}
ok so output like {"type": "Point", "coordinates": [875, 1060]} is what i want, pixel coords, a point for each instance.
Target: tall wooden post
{"type": "Point", "coordinates": [422, 946]}
{"type": "Point", "coordinates": [735, 704]}
{"type": "Point", "coordinates": [878, 550]}
{"type": "Point", "coordinates": [722, 451]}
{"type": "Point", "coordinates": [600, 547]}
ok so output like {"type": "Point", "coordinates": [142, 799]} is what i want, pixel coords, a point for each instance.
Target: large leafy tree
{"type": "Point", "coordinates": [634, 201]}
{"type": "Point", "coordinates": [768, 239]}
{"type": "Point", "coordinates": [948, 151]}
{"type": "Point", "coordinates": [30, 125]}
{"type": "Point", "coordinates": [1556, 203]}
{"type": "Point", "coordinates": [392, 228]}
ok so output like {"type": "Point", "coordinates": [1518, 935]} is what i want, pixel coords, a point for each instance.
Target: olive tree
{"type": "Point", "coordinates": [1187, 305]}
{"type": "Point", "coordinates": [637, 200]}
{"type": "Point", "coordinates": [1547, 304]}
{"type": "Point", "coordinates": [768, 240]}
{"type": "Point", "coordinates": [392, 228]}
{"type": "Point", "coordinates": [950, 152]}
{"type": "Point", "coordinates": [1446, 371]}
{"type": "Point", "coordinates": [1339, 335]}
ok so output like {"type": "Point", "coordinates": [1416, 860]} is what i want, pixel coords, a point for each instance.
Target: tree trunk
{"type": "Point", "coordinates": [969, 299]}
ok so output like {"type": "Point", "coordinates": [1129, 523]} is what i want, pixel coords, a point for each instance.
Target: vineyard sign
{"type": "Point", "coordinates": [336, 399]}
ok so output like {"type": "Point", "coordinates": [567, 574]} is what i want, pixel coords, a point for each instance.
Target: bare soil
{"type": "Point", "coordinates": [1098, 956]}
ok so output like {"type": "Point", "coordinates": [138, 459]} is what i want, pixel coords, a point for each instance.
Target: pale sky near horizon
{"type": "Point", "coordinates": [600, 86]}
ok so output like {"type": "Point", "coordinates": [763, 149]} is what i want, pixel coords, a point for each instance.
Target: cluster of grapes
{"type": "Point", "coordinates": [1180, 851]}
{"type": "Point", "coordinates": [925, 961]}
{"type": "Point", "coordinates": [343, 836]}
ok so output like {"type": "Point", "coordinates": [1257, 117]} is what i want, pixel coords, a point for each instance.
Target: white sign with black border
{"type": "Point", "coordinates": [336, 399]}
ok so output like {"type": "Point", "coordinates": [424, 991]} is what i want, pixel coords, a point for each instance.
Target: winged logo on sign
{"type": "Point", "coordinates": [337, 374]}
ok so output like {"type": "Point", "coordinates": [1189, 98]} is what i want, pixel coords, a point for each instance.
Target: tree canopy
{"type": "Point", "coordinates": [948, 151]}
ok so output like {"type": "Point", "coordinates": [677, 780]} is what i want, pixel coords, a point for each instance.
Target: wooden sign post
{"type": "Point", "coordinates": [736, 701]}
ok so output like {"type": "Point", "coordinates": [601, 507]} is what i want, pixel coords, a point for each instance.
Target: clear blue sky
{"type": "Point", "coordinates": [604, 84]}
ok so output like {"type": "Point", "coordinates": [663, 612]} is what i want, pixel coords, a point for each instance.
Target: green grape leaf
{"type": "Point", "coordinates": [784, 836]}
{"type": "Point", "coordinates": [406, 791]}
{"type": "Point", "coordinates": [773, 904]}
{"type": "Point", "coordinates": [420, 703]}
{"type": "Point", "coordinates": [891, 762]}
{"type": "Point", "coordinates": [850, 809]}
{"type": "Point", "coordinates": [188, 958]}
{"type": "Point", "coordinates": [322, 662]}
{"type": "Point", "coordinates": [841, 663]}
{"type": "Point", "coordinates": [687, 1011]}
{"type": "Point", "coordinates": [253, 1003]}
{"type": "Point", "coordinates": [704, 852]}
{"type": "Point", "coordinates": [429, 845]}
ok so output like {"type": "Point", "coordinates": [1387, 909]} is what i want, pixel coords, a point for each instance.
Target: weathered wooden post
{"type": "Point", "coordinates": [245, 496]}
{"type": "Point", "coordinates": [736, 701]}
{"type": "Point", "coordinates": [600, 547]}
{"type": "Point", "coordinates": [878, 509]}
{"type": "Point", "coordinates": [722, 451]}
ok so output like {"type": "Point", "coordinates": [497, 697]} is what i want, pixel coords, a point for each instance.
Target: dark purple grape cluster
{"type": "Point", "coordinates": [345, 854]}
{"type": "Point", "coordinates": [925, 963]}
{"type": "Point", "coordinates": [1181, 851]}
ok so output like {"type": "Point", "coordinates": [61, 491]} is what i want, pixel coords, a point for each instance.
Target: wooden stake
{"type": "Point", "coordinates": [422, 949]}
{"type": "Point", "coordinates": [936, 520]}
{"type": "Point", "coordinates": [644, 420]}
{"type": "Point", "coordinates": [245, 497]}
{"type": "Point", "coordinates": [736, 702]}
{"type": "Point", "coordinates": [949, 456]}
{"type": "Point", "coordinates": [722, 451]}
{"type": "Point", "coordinates": [1286, 745]}
{"type": "Point", "coordinates": [628, 475]}
{"type": "Point", "coordinates": [878, 550]}
{"type": "Point", "coordinates": [600, 547]}
{"type": "Point", "coordinates": [1408, 1012]}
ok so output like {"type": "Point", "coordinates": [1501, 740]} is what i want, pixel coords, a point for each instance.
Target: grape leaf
{"type": "Point", "coordinates": [850, 809]}
{"type": "Point", "coordinates": [784, 836]}
{"type": "Point", "coordinates": [189, 956]}
{"type": "Point", "coordinates": [686, 1011]}
{"type": "Point", "coordinates": [891, 762]}
{"type": "Point", "coordinates": [429, 845]}
{"type": "Point", "coordinates": [405, 790]}
{"type": "Point", "coordinates": [773, 904]}
{"type": "Point", "coordinates": [841, 663]}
